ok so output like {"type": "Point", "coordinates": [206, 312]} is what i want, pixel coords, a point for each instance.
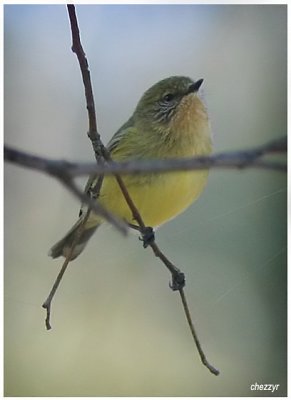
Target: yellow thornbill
{"type": "Point", "coordinates": [170, 121]}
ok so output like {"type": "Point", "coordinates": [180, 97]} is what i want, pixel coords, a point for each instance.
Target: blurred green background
{"type": "Point", "coordinates": [118, 330]}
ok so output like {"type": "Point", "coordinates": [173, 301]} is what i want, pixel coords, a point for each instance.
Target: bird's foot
{"type": "Point", "coordinates": [178, 280]}
{"type": "Point", "coordinates": [148, 236]}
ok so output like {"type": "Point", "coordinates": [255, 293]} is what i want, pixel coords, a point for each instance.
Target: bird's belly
{"type": "Point", "coordinates": [158, 199]}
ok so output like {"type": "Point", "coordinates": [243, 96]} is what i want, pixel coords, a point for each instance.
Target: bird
{"type": "Point", "coordinates": [170, 121]}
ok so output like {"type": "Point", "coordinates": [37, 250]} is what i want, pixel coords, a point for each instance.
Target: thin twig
{"type": "Point", "coordinates": [178, 277]}
{"type": "Point", "coordinates": [212, 369]}
{"type": "Point", "coordinates": [77, 48]}
{"type": "Point", "coordinates": [48, 302]}
{"type": "Point", "coordinates": [178, 281]}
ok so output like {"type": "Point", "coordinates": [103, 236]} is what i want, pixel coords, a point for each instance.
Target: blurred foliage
{"type": "Point", "coordinates": [117, 328]}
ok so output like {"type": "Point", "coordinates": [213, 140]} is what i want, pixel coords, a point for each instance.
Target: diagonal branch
{"type": "Point", "coordinates": [97, 144]}
{"type": "Point", "coordinates": [177, 275]}
{"type": "Point", "coordinates": [77, 48]}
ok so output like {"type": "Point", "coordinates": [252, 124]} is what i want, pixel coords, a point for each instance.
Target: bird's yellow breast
{"type": "Point", "coordinates": [158, 199]}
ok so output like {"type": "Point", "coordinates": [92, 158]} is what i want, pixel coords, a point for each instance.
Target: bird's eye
{"type": "Point", "coordinates": [168, 97]}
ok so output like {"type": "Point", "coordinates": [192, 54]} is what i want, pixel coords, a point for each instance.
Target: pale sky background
{"type": "Point", "coordinates": [118, 330]}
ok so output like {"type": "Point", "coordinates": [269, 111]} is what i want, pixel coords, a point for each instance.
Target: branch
{"type": "Point", "coordinates": [77, 48]}
{"type": "Point", "coordinates": [251, 158]}
{"type": "Point", "coordinates": [48, 303]}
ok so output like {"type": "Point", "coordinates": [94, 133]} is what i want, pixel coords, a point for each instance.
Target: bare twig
{"type": "Point", "coordinates": [47, 304]}
{"type": "Point", "coordinates": [194, 335]}
{"type": "Point", "coordinates": [178, 282]}
{"type": "Point", "coordinates": [244, 159]}
{"type": "Point", "coordinates": [77, 48]}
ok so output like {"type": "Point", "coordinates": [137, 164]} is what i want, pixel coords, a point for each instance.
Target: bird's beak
{"type": "Point", "coordinates": [195, 86]}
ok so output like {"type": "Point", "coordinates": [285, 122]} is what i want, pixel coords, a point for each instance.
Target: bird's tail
{"type": "Point", "coordinates": [63, 247]}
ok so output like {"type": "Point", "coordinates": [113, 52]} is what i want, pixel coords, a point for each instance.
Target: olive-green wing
{"type": "Point", "coordinates": [115, 140]}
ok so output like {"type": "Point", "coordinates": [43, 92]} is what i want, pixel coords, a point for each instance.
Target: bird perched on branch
{"type": "Point", "coordinates": [170, 121]}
